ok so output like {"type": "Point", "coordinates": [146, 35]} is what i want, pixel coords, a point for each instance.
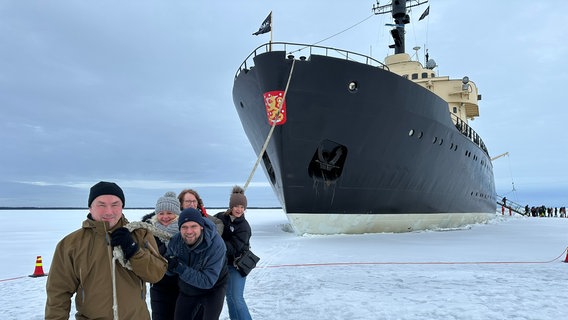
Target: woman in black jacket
{"type": "Point", "coordinates": [236, 234]}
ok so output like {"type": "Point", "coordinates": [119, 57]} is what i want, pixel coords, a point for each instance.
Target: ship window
{"type": "Point", "coordinates": [352, 86]}
{"type": "Point", "coordinates": [420, 135]}
{"type": "Point", "coordinates": [424, 75]}
{"type": "Point", "coordinates": [414, 76]}
{"type": "Point", "coordinates": [433, 75]}
{"type": "Point", "coordinates": [441, 141]}
{"type": "Point", "coordinates": [455, 110]}
{"type": "Point", "coordinates": [411, 133]}
{"type": "Point", "coordinates": [435, 139]}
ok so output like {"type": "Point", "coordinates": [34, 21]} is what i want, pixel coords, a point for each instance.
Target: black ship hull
{"type": "Point", "coordinates": [380, 155]}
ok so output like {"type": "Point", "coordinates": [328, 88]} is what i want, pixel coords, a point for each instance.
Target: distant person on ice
{"type": "Point", "coordinates": [197, 255]}
{"type": "Point", "coordinates": [83, 264]}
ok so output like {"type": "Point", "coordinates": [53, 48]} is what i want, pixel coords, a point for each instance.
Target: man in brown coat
{"type": "Point", "coordinates": [83, 264]}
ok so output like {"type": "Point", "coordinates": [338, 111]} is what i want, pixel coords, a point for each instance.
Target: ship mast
{"type": "Point", "coordinates": [400, 17]}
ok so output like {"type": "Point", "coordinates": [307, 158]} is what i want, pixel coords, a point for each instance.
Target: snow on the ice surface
{"type": "Point", "coordinates": [510, 268]}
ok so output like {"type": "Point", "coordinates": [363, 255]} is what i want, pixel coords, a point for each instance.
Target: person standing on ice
{"type": "Point", "coordinates": [164, 293]}
{"type": "Point", "coordinates": [197, 255]}
{"type": "Point", "coordinates": [189, 198]}
{"type": "Point", "coordinates": [83, 264]}
{"type": "Point", "coordinates": [236, 234]}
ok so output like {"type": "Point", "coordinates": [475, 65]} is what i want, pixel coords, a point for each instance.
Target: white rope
{"type": "Point", "coordinates": [114, 295]}
{"type": "Point", "coordinates": [118, 255]}
{"type": "Point", "coordinates": [117, 252]}
{"type": "Point", "coordinates": [272, 128]}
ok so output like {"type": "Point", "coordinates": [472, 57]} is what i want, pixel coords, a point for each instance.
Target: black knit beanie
{"type": "Point", "coordinates": [104, 188]}
{"type": "Point", "coordinates": [190, 214]}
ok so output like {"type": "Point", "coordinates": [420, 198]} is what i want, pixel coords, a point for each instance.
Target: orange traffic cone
{"type": "Point", "coordinates": [38, 272]}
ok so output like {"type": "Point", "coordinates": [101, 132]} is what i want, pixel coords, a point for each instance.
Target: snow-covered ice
{"type": "Point", "coordinates": [510, 268]}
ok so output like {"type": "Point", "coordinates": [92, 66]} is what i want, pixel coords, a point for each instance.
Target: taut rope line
{"type": "Point", "coordinates": [329, 264]}
{"type": "Point", "coordinates": [271, 129]}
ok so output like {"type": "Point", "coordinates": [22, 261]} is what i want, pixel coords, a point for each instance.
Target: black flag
{"type": "Point", "coordinates": [266, 25]}
{"type": "Point", "coordinates": [425, 13]}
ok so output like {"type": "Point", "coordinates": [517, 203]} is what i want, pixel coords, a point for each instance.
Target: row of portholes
{"type": "Point", "coordinates": [468, 154]}
{"type": "Point", "coordinates": [435, 140]}
{"type": "Point", "coordinates": [481, 195]}
{"type": "Point", "coordinates": [453, 146]}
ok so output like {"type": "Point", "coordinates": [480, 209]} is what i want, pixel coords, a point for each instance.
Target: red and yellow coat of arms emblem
{"type": "Point", "coordinates": [272, 101]}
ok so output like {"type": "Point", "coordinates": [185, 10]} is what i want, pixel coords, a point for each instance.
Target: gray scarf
{"type": "Point", "coordinates": [171, 229]}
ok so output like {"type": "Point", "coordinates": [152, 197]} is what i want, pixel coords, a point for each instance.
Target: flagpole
{"type": "Point", "coordinates": [271, 28]}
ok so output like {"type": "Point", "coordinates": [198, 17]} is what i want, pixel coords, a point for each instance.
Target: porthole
{"type": "Point", "coordinates": [353, 86]}
{"type": "Point", "coordinates": [411, 132]}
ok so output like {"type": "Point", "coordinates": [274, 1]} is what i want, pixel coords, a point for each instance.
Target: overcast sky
{"type": "Point", "coordinates": [139, 92]}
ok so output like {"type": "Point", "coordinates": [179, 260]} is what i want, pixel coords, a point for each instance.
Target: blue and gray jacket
{"type": "Point", "coordinates": [203, 268]}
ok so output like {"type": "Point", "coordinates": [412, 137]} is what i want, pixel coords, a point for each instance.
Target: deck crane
{"type": "Point", "coordinates": [499, 156]}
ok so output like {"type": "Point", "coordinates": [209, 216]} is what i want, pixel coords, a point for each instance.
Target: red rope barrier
{"type": "Point", "coordinates": [325, 264]}
{"type": "Point", "coordinates": [9, 279]}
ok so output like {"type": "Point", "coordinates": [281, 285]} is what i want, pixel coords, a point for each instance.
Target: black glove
{"type": "Point", "coordinates": [162, 248]}
{"type": "Point", "coordinates": [172, 263]}
{"type": "Point", "coordinates": [122, 237]}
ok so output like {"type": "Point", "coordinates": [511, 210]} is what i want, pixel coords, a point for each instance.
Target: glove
{"type": "Point", "coordinates": [122, 237]}
{"type": "Point", "coordinates": [162, 248]}
{"type": "Point", "coordinates": [172, 263]}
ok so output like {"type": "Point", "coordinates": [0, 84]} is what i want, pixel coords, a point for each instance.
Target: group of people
{"type": "Point", "coordinates": [543, 211]}
{"type": "Point", "coordinates": [185, 254]}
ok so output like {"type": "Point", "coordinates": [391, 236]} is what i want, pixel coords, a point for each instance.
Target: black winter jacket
{"type": "Point", "coordinates": [236, 235]}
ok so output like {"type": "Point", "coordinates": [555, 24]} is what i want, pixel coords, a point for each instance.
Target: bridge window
{"type": "Point", "coordinates": [424, 75]}
{"type": "Point", "coordinates": [414, 76]}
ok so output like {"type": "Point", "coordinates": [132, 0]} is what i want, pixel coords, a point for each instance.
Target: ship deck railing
{"type": "Point", "coordinates": [303, 50]}
{"type": "Point", "coordinates": [468, 132]}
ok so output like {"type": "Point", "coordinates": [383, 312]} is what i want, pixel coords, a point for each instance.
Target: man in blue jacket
{"type": "Point", "coordinates": [197, 255]}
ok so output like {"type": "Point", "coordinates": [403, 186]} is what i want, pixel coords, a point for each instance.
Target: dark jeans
{"type": "Point", "coordinates": [207, 306]}
{"type": "Point", "coordinates": [163, 297]}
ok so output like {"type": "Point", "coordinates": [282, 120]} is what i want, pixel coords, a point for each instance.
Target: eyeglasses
{"type": "Point", "coordinates": [189, 201]}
